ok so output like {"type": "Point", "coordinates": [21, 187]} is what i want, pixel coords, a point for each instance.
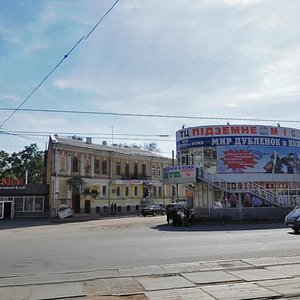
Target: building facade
{"type": "Point", "coordinates": [18, 199]}
{"type": "Point", "coordinates": [242, 166]}
{"type": "Point", "coordinates": [93, 179]}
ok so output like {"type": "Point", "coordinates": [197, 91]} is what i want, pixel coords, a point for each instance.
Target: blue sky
{"type": "Point", "coordinates": [205, 58]}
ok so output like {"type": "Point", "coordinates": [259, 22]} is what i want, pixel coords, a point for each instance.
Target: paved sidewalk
{"type": "Point", "coordinates": [255, 278]}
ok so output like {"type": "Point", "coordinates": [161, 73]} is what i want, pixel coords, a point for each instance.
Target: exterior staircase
{"type": "Point", "coordinates": [269, 196]}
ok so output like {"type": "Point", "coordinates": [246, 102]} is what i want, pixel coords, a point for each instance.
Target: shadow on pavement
{"type": "Point", "coordinates": [220, 227]}
{"type": "Point", "coordinates": [23, 222]}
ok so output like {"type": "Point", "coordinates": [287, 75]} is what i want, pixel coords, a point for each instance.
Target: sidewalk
{"type": "Point", "coordinates": [254, 278]}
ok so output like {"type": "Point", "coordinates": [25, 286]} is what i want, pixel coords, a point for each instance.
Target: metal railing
{"type": "Point", "coordinates": [269, 196]}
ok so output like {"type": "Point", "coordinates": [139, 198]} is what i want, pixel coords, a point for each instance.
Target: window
{"type": "Point", "coordinates": [174, 193]}
{"type": "Point", "coordinates": [104, 166]}
{"type": "Point", "coordinates": [118, 168]}
{"type": "Point", "coordinates": [154, 191]}
{"type": "Point", "coordinates": [127, 169]}
{"type": "Point", "coordinates": [210, 153]}
{"type": "Point", "coordinates": [144, 174]}
{"type": "Point", "coordinates": [135, 191]}
{"type": "Point", "coordinates": [75, 164]}
{"type": "Point", "coordinates": [135, 170]}
{"type": "Point", "coordinates": [158, 171]}
{"type": "Point", "coordinates": [153, 171]}
{"type": "Point", "coordinates": [28, 204]}
{"type": "Point", "coordinates": [104, 190]}
{"type": "Point", "coordinates": [160, 191]}
{"type": "Point", "coordinates": [87, 165]}
{"type": "Point", "coordinates": [183, 160]}
{"type": "Point", "coordinates": [39, 203]}
{"type": "Point", "coordinates": [118, 191]}
{"type": "Point", "coordinates": [19, 203]}
{"type": "Point", "coordinates": [145, 191]}
{"type": "Point", "coordinates": [97, 166]}
{"type": "Point", "coordinates": [127, 191]}
{"type": "Point", "coordinates": [63, 163]}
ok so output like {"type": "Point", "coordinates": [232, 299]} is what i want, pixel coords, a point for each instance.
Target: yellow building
{"type": "Point", "coordinates": [93, 178]}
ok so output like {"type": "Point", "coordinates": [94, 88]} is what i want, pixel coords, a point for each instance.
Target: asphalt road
{"type": "Point", "coordinates": [39, 247]}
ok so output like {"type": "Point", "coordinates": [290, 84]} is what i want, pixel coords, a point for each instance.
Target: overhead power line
{"type": "Point", "coordinates": [156, 138]}
{"type": "Point", "coordinates": [150, 115]}
{"type": "Point", "coordinates": [92, 134]}
{"type": "Point", "coordinates": [60, 62]}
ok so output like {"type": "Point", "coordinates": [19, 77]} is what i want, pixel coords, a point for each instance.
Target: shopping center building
{"type": "Point", "coordinates": [242, 167]}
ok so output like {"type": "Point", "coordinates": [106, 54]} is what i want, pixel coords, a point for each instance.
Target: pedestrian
{"type": "Point", "coordinates": [187, 217]}
{"type": "Point", "coordinates": [169, 215]}
{"type": "Point", "coordinates": [174, 217]}
{"type": "Point", "coordinates": [111, 208]}
{"type": "Point", "coordinates": [115, 208]}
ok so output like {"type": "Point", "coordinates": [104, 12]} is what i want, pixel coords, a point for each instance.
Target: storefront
{"type": "Point", "coordinates": [244, 162]}
{"type": "Point", "coordinates": [18, 199]}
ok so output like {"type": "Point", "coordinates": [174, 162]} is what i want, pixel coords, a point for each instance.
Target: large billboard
{"type": "Point", "coordinates": [247, 148]}
{"type": "Point", "coordinates": [255, 159]}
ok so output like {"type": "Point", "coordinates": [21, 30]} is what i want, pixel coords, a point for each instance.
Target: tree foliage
{"type": "Point", "coordinates": [4, 164]}
{"type": "Point", "coordinates": [29, 160]}
{"type": "Point", "coordinates": [149, 146]}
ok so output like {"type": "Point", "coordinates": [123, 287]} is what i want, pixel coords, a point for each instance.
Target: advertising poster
{"type": "Point", "coordinates": [251, 159]}
{"type": "Point", "coordinates": [179, 174]}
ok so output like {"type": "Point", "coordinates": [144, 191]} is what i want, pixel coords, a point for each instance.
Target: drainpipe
{"type": "Point", "coordinates": [110, 182]}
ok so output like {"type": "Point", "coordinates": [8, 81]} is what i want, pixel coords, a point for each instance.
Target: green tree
{"type": "Point", "coordinates": [31, 160]}
{"type": "Point", "coordinates": [4, 164]}
{"type": "Point", "coordinates": [151, 147]}
{"type": "Point", "coordinates": [147, 146]}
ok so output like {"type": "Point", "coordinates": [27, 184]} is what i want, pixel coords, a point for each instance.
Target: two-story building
{"type": "Point", "coordinates": [93, 178]}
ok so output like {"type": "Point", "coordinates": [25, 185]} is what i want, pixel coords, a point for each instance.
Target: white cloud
{"type": "Point", "coordinates": [201, 58]}
{"type": "Point", "coordinates": [79, 84]}
{"type": "Point", "coordinates": [242, 2]}
{"type": "Point", "coordinates": [11, 98]}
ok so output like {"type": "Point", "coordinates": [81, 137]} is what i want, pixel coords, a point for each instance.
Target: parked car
{"type": "Point", "coordinates": [293, 219]}
{"type": "Point", "coordinates": [153, 210]}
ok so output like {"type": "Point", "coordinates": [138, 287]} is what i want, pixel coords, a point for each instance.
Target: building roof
{"type": "Point", "coordinates": [115, 149]}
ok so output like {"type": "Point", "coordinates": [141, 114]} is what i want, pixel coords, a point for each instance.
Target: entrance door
{"type": "Point", "coordinates": [76, 198]}
{"type": "Point", "coordinates": [76, 203]}
{"type": "Point", "coordinates": [7, 210]}
{"type": "Point", "coordinates": [87, 206]}
{"type": "Point", "coordinates": [1, 210]}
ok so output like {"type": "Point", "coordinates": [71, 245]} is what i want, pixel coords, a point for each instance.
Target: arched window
{"type": "Point", "coordinates": [63, 163]}
{"type": "Point", "coordinates": [159, 191]}
{"type": "Point", "coordinates": [158, 171]}
{"type": "Point", "coordinates": [75, 164]}
{"type": "Point", "coordinates": [118, 168]}
{"type": "Point", "coordinates": [104, 166]}
{"type": "Point", "coordinates": [135, 170]}
{"type": "Point", "coordinates": [144, 173]}
{"type": "Point", "coordinates": [87, 165]}
{"type": "Point", "coordinates": [127, 169]}
{"type": "Point", "coordinates": [97, 166]}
